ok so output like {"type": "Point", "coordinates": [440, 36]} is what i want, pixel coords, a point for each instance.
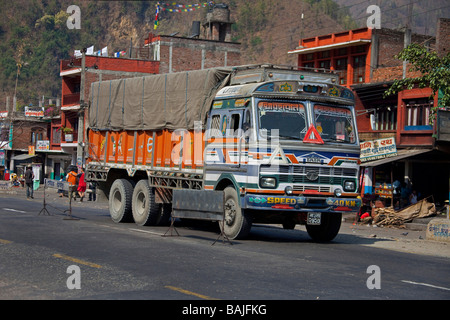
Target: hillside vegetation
{"type": "Point", "coordinates": [34, 36]}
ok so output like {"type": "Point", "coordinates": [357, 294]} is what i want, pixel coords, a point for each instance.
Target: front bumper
{"type": "Point", "coordinates": [300, 203]}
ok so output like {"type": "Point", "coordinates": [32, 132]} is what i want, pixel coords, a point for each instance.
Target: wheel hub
{"type": "Point", "coordinates": [230, 212]}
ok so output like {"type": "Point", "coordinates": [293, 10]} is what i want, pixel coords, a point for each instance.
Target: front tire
{"type": "Point", "coordinates": [328, 229]}
{"type": "Point", "coordinates": [237, 223]}
{"type": "Point", "coordinates": [120, 201]}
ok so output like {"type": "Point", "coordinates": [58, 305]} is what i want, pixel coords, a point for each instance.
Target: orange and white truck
{"type": "Point", "coordinates": [279, 144]}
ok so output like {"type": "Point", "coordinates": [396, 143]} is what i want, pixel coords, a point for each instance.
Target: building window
{"type": "Point", "coordinates": [324, 64]}
{"type": "Point", "coordinates": [359, 69]}
{"type": "Point", "coordinates": [309, 57]}
{"type": "Point", "coordinates": [340, 52]}
{"type": "Point", "coordinates": [4, 133]}
{"type": "Point", "coordinates": [36, 136]}
{"type": "Point", "coordinates": [418, 114]}
{"type": "Point", "coordinates": [324, 54]}
{"type": "Point", "coordinates": [309, 65]}
{"type": "Point", "coordinates": [385, 118]}
{"type": "Point", "coordinates": [359, 49]}
{"type": "Point", "coordinates": [341, 69]}
{"type": "Point", "coordinates": [56, 135]}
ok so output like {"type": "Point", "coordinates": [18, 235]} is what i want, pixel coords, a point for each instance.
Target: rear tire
{"type": "Point", "coordinates": [329, 228]}
{"type": "Point", "coordinates": [237, 224]}
{"type": "Point", "coordinates": [120, 201]}
{"type": "Point", "coordinates": [146, 212]}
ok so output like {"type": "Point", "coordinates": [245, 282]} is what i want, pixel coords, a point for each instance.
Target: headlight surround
{"type": "Point", "coordinates": [349, 185]}
{"type": "Point", "coordinates": [289, 190]}
{"type": "Point", "coordinates": [268, 182]}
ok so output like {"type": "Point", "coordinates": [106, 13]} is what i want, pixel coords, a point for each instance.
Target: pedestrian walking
{"type": "Point", "coordinates": [81, 185]}
{"type": "Point", "coordinates": [29, 177]}
{"type": "Point", "coordinates": [61, 191]}
{"type": "Point", "coordinates": [93, 193]}
{"type": "Point", "coordinates": [72, 179]}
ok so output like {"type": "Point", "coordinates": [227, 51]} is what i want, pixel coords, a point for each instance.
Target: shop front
{"type": "Point", "coordinates": [392, 180]}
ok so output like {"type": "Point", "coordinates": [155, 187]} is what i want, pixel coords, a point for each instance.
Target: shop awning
{"type": "Point", "coordinates": [330, 46]}
{"type": "Point", "coordinates": [401, 154]}
{"type": "Point", "coordinates": [22, 157]}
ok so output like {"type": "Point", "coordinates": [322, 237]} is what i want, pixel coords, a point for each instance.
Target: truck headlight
{"type": "Point", "coordinates": [268, 182]}
{"type": "Point", "coordinates": [289, 190]}
{"type": "Point", "coordinates": [349, 185]}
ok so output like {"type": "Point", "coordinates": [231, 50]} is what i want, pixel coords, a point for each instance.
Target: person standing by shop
{"type": "Point", "coordinates": [29, 177]}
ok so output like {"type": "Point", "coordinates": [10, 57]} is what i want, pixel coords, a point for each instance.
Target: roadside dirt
{"type": "Point", "coordinates": [403, 240]}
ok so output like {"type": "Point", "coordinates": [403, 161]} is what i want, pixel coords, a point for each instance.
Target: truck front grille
{"type": "Point", "coordinates": [303, 177]}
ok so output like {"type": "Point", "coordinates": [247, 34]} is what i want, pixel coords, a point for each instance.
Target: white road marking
{"type": "Point", "coordinates": [14, 210]}
{"type": "Point", "coordinates": [150, 232]}
{"type": "Point", "coordinates": [426, 285]}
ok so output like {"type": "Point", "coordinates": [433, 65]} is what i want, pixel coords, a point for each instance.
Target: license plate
{"type": "Point", "coordinates": [314, 218]}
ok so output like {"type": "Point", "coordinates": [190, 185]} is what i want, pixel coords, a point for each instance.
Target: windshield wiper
{"type": "Point", "coordinates": [289, 137]}
{"type": "Point", "coordinates": [335, 140]}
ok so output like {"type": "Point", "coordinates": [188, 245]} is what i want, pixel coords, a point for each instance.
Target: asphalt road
{"type": "Point", "coordinates": [125, 261]}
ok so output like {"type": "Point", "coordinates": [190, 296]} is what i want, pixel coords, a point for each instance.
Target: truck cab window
{"type": "Point", "coordinates": [215, 122]}
{"type": "Point", "coordinates": [334, 124]}
{"type": "Point", "coordinates": [235, 124]}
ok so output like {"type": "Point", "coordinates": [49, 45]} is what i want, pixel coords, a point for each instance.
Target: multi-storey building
{"type": "Point", "coordinates": [158, 54]}
{"type": "Point", "coordinates": [365, 61]}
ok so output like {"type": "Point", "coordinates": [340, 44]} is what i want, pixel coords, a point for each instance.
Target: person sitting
{"type": "Point", "coordinates": [413, 197]}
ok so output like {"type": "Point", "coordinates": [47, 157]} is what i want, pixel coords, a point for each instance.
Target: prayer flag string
{"type": "Point", "coordinates": [161, 6]}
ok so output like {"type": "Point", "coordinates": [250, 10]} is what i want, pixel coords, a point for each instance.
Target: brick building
{"type": "Point", "coordinates": [176, 54]}
{"type": "Point", "coordinates": [364, 59]}
{"type": "Point", "coordinates": [202, 50]}
{"type": "Point", "coordinates": [65, 133]}
{"type": "Point", "coordinates": [24, 140]}
{"type": "Point", "coordinates": [159, 54]}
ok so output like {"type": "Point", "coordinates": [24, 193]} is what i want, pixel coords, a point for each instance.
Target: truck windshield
{"type": "Point", "coordinates": [288, 118]}
{"type": "Point", "coordinates": [334, 124]}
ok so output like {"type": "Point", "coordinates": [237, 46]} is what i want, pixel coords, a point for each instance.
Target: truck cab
{"type": "Point", "coordinates": [283, 146]}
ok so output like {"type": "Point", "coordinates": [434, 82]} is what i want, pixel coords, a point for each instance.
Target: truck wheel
{"type": "Point", "coordinates": [146, 212]}
{"type": "Point", "coordinates": [237, 223]}
{"type": "Point", "coordinates": [120, 201]}
{"type": "Point", "coordinates": [329, 228]}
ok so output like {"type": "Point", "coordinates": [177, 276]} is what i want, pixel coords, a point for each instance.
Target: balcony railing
{"type": "Point", "coordinates": [71, 99]}
{"type": "Point", "coordinates": [69, 137]}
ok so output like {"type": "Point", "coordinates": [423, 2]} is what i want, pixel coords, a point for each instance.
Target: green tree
{"type": "Point", "coordinates": [434, 70]}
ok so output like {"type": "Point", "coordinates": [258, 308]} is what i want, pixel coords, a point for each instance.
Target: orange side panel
{"type": "Point", "coordinates": [110, 148]}
{"type": "Point", "coordinates": [159, 143]}
{"type": "Point", "coordinates": [199, 146]}
{"type": "Point", "coordinates": [167, 154]}
{"type": "Point", "coordinates": [141, 146]}
{"type": "Point", "coordinates": [121, 147]}
{"type": "Point", "coordinates": [165, 149]}
{"type": "Point", "coordinates": [128, 147]}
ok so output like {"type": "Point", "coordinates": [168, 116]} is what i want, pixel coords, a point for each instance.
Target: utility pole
{"type": "Point", "coordinates": [81, 113]}
{"type": "Point", "coordinates": [407, 40]}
